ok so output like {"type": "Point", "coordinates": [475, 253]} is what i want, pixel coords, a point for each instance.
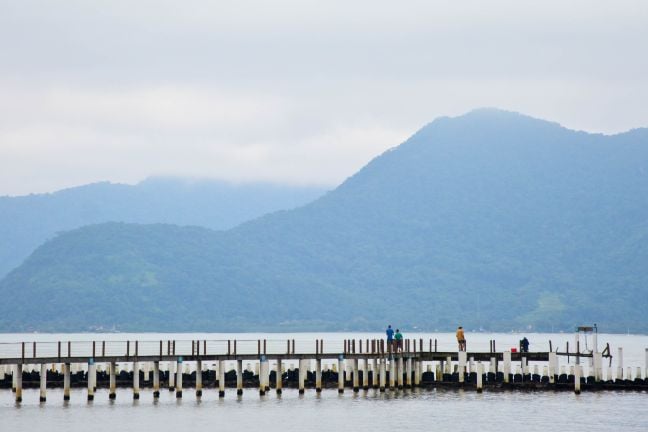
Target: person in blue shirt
{"type": "Point", "coordinates": [390, 338]}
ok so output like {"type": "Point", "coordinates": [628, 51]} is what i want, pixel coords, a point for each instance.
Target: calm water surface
{"type": "Point", "coordinates": [415, 410]}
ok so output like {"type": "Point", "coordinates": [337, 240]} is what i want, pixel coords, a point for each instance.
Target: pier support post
{"type": "Point", "coordinates": [462, 356]}
{"type": "Point", "coordinates": [172, 374]}
{"type": "Point", "coordinates": [408, 373]}
{"type": "Point", "coordinates": [112, 392]}
{"type": "Point", "coordinates": [480, 375]}
{"type": "Point", "coordinates": [399, 373]}
{"type": "Point", "coordinates": [91, 382]}
{"type": "Point", "coordinates": [392, 373]}
{"type": "Point", "coordinates": [239, 377]}
{"type": "Point", "coordinates": [66, 381]}
{"type": "Point", "coordinates": [278, 377]}
{"type": "Point", "coordinates": [417, 373]}
{"type": "Point", "coordinates": [198, 378]}
{"type": "Point", "coordinates": [356, 384]}
{"type": "Point", "coordinates": [178, 386]}
{"type": "Point", "coordinates": [302, 375]}
{"type": "Point", "coordinates": [507, 365]}
{"type": "Point", "coordinates": [318, 375]}
{"type": "Point", "coordinates": [341, 374]}
{"type": "Point", "coordinates": [17, 376]}
{"type": "Point", "coordinates": [43, 382]}
{"type": "Point", "coordinates": [375, 372]}
{"type": "Point", "coordinates": [136, 381]}
{"type": "Point", "coordinates": [620, 364]}
{"type": "Point", "coordinates": [156, 379]}
{"type": "Point", "coordinates": [553, 367]}
{"type": "Point", "coordinates": [577, 379]}
{"type": "Point", "coordinates": [263, 375]}
{"type": "Point", "coordinates": [382, 375]}
{"type": "Point", "coordinates": [597, 364]}
{"type": "Point", "coordinates": [365, 374]}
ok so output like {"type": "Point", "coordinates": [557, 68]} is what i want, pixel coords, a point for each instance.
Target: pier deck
{"type": "Point", "coordinates": [353, 363]}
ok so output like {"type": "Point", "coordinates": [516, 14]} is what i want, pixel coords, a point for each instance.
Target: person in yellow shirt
{"type": "Point", "coordinates": [461, 339]}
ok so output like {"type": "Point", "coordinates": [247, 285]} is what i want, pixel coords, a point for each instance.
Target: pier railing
{"type": "Point", "coordinates": [33, 350]}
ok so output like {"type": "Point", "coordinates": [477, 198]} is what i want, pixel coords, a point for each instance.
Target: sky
{"type": "Point", "coordinates": [295, 92]}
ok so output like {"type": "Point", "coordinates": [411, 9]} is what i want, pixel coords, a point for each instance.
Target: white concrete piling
{"type": "Point", "coordinates": [597, 361]}
{"type": "Point", "coordinates": [199, 384]}
{"type": "Point", "coordinates": [507, 365]}
{"type": "Point", "coordinates": [318, 375]}
{"type": "Point", "coordinates": [408, 373]}
{"type": "Point", "coordinates": [156, 379]}
{"type": "Point", "coordinates": [382, 374]}
{"type": "Point", "coordinates": [620, 364]}
{"type": "Point", "coordinates": [577, 379]}
{"type": "Point", "coordinates": [365, 374]}
{"type": "Point", "coordinates": [375, 373]}
{"type": "Point", "coordinates": [112, 392]}
{"type": "Point", "coordinates": [392, 373]}
{"type": "Point", "coordinates": [91, 382]}
{"type": "Point", "coordinates": [178, 383]}
{"type": "Point", "coordinates": [480, 373]}
{"type": "Point", "coordinates": [356, 384]}
{"type": "Point", "coordinates": [17, 380]}
{"type": "Point", "coordinates": [462, 357]}
{"type": "Point", "coordinates": [66, 381]}
{"type": "Point", "coordinates": [399, 373]}
{"type": "Point", "coordinates": [136, 381]}
{"type": "Point", "coordinates": [340, 374]}
{"type": "Point", "coordinates": [301, 376]}
{"type": "Point", "coordinates": [278, 377]}
{"type": "Point", "coordinates": [417, 373]}
{"type": "Point", "coordinates": [239, 377]}
{"type": "Point", "coordinates": [43, 382]}
{"type": "Point", "coordinates": [172, 374]}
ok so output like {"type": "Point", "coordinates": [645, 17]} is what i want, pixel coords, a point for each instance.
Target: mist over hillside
{"type": "Point", "coordinates": [27, 221]}
{"type": "Point", "coordinates": [491, 220]}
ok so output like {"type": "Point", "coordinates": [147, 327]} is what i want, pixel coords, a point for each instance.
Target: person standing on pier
{"type": "Point", "coordinates": [524, 345]}
{"type": "Point", "coordinates": [461, 339]}
{"type": "Point", "coordinates": [390, 338]}
{"type": "Point", "coordinates": [399, 341]}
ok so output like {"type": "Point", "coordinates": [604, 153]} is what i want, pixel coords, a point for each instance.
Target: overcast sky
{"type": "Point", "coordinates": [298, 92]}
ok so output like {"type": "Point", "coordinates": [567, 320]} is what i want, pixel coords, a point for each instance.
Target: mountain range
{"type": "Point", "coordinates": [490, 220]}
{"type": "Point", "coordinates": [28, 221]}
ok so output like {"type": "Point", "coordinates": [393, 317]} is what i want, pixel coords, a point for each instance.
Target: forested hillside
{"type": "Point", "coordinates": [492, 220]}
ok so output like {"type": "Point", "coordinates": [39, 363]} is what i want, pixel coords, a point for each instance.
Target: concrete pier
{"type": "Point", "coordinates": [318, 375]}
{"type": "Point", "coordinates": [91, 382]}
{"type": "Point", "coordinates": [239, 377]}
{"type": "Point", "coordinates": [340, 374]}
{"type": "Point", "coordinates": [136, 381]}
{"type": "Point", "coordinates": [278, 377]}
{"type": "Point", "coordinates": [43, 383]}
{"type": "Point", "coordinates": [17, 382]}
{"type": "Point", "coordinates": [365, 368]}
{"type": "Point", "coordinates": [156, 379]}
{"type": "Point", "coordinates": [178, 383]}
{"type": "Point", "coordinates": [198, 378]}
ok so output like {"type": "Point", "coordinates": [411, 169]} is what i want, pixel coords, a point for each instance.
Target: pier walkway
{"type": "Point", "coordinates": [356, 364]}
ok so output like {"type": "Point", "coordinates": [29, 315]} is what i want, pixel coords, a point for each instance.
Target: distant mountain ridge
{"type": "Point", "coordinates": [27, 221]}
{"type": "Point", "coordinates": [490, 220]}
